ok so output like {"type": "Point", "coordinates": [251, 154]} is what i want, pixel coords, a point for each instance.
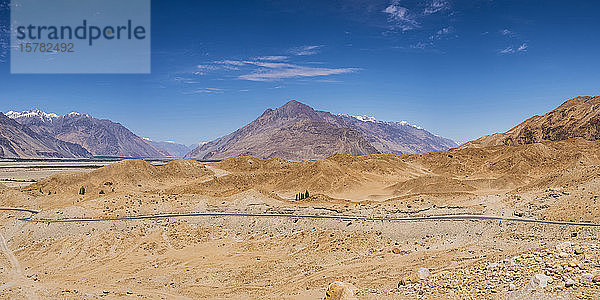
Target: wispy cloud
{"type": "Point", "coordinates": [421, 45]}
{"type": "Point", "coordinates": [507, 50]}
{"type": "Point", "coordinates": [408, 18]}
{"type": "Point", "coordinates": [516, 42]}
{"type": "Point", "coordinates": [306, 50]}
{"type": "Point", "coordinates": [207, 90]}
{"type": "Point", "coordinates": [231, 62]}
{"type": "Point", "coordinates": [273, 58]}
{"type": "Point", "coordinates": [274, 71]}
{"type": "Point", "coordinates": [272, 67]}
{"type": "Point", "coordinates": [444, 33]}
{"type": "Point", "coordinates": [512, 50]}
{"type": "Point", "coordinates": [523, 47]}
{"type": "Point", "coordinates": [436, 6]}
{"type": "Point", "coordinates": [282, 71]}
{"type": "Point", "coordinates": [401, 17]}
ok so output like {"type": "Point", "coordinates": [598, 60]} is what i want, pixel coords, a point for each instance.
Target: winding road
{"type": "Point", "coordinates": [293, 216]}
{"type": "Point", "coordinates": [18, 276]}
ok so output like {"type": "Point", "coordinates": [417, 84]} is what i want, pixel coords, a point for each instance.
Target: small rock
{"type": "Point", "coordinates": [596, 278]}
{"type": "Point", "coordinates": [396, 251]}
{"type": "Point", "coordinates": [404, 281]}
{"type": "Point", "coordinates": [587, 276]}
{"type": "Point", "coordinates": [578, 251]}
{"type": "Point", "coordinates": [563, 254]}
{"type": "Point", "coordinates": [573, 263]}
{"type": "Point", "coordinates": [423, 273]}
{"type": "Point", "coordinates": [540, 281]}
{"type": "Point", "coordinates": [512, 287]}
{"type": "Point", "coordinates": [569, 282]}
{"type": "Point", "coordinates": [564, 245]}
{"type": "Point", "coordinates": [340, 291]}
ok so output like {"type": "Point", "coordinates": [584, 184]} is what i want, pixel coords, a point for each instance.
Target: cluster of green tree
{"type": "Point", "coordinates": [301, 196]}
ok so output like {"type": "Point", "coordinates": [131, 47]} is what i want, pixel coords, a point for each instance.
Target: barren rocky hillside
{"type": "Point", "coordinates": [99, 137]}
{"type": "Point", "coordinates": [578, 117]}
{"type": "Point", "coordinates": [18, 141]}
{"type": "Point", "coordinates": [295, 131]}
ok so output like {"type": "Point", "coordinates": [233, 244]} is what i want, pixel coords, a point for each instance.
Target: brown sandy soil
{"type": "Point", "coordinates": [291, 258]}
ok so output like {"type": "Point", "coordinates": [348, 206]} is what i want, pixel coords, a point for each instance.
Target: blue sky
{"type": "Point", "coordinates": [460, 69]}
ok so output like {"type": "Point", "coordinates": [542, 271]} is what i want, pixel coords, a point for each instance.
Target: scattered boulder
{"type": "Point", "coordinates": [540, 281]}
{"type": "Point", "coordinates": [404, 281]}
{"type": "Point", "coordinates": [574, 263]}
{"type": "Point", "coordinates": [340, 291]}
{"type": "Point", "coordinates": [569, 282]}
{"type": "Point", "coordinates": [423, 273]}
{"type": "Point", "coordinates": [564, 245]}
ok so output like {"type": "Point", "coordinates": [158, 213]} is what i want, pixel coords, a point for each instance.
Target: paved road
{"type": "Point", "coordinates": [294, 216]}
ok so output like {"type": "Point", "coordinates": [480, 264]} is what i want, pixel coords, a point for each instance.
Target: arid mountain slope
{"type": "Point", "coordinates": [18, 141]}
{"type": "Point", "coordinates": [99, 137]}
{"type": "Point", "coordinates": [296, 131]}
{"type": "Point", "coordinates": [394, 137]}
{"type": "Point", "coordinates": [293, 131]}
{"type": "Point", "coordinates": [578, 117]}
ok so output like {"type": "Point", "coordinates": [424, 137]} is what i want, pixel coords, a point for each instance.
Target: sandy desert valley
{"type": "Point", "coordinates": [299, 150]}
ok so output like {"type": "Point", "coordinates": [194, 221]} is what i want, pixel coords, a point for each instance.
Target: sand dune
{"type": "Point", "coordinates": [473, 171]}
{"type": "Point", "coordinates": [125, 176]}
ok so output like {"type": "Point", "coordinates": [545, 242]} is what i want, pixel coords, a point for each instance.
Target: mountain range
{"type": "Point", "coordinates": [99, 137]}
{"type": "Point", "coordinates": [295, 131]}
{"type": "Point", "coordinates": [575, 118]}
{"type": "Point", "coordinates": [17, 141]}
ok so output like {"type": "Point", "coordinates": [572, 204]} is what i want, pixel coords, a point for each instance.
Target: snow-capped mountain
{"type": "Point", "coordinates": [395, 137]}
{"type": "Point", "coordinates": [99, 137]}
{"type": "Point", "coordinates": [372, 119]}
{"type": "Point", "coordinates": [18, 141]}
{"type": "Point", "coordinates": [34, 113]}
